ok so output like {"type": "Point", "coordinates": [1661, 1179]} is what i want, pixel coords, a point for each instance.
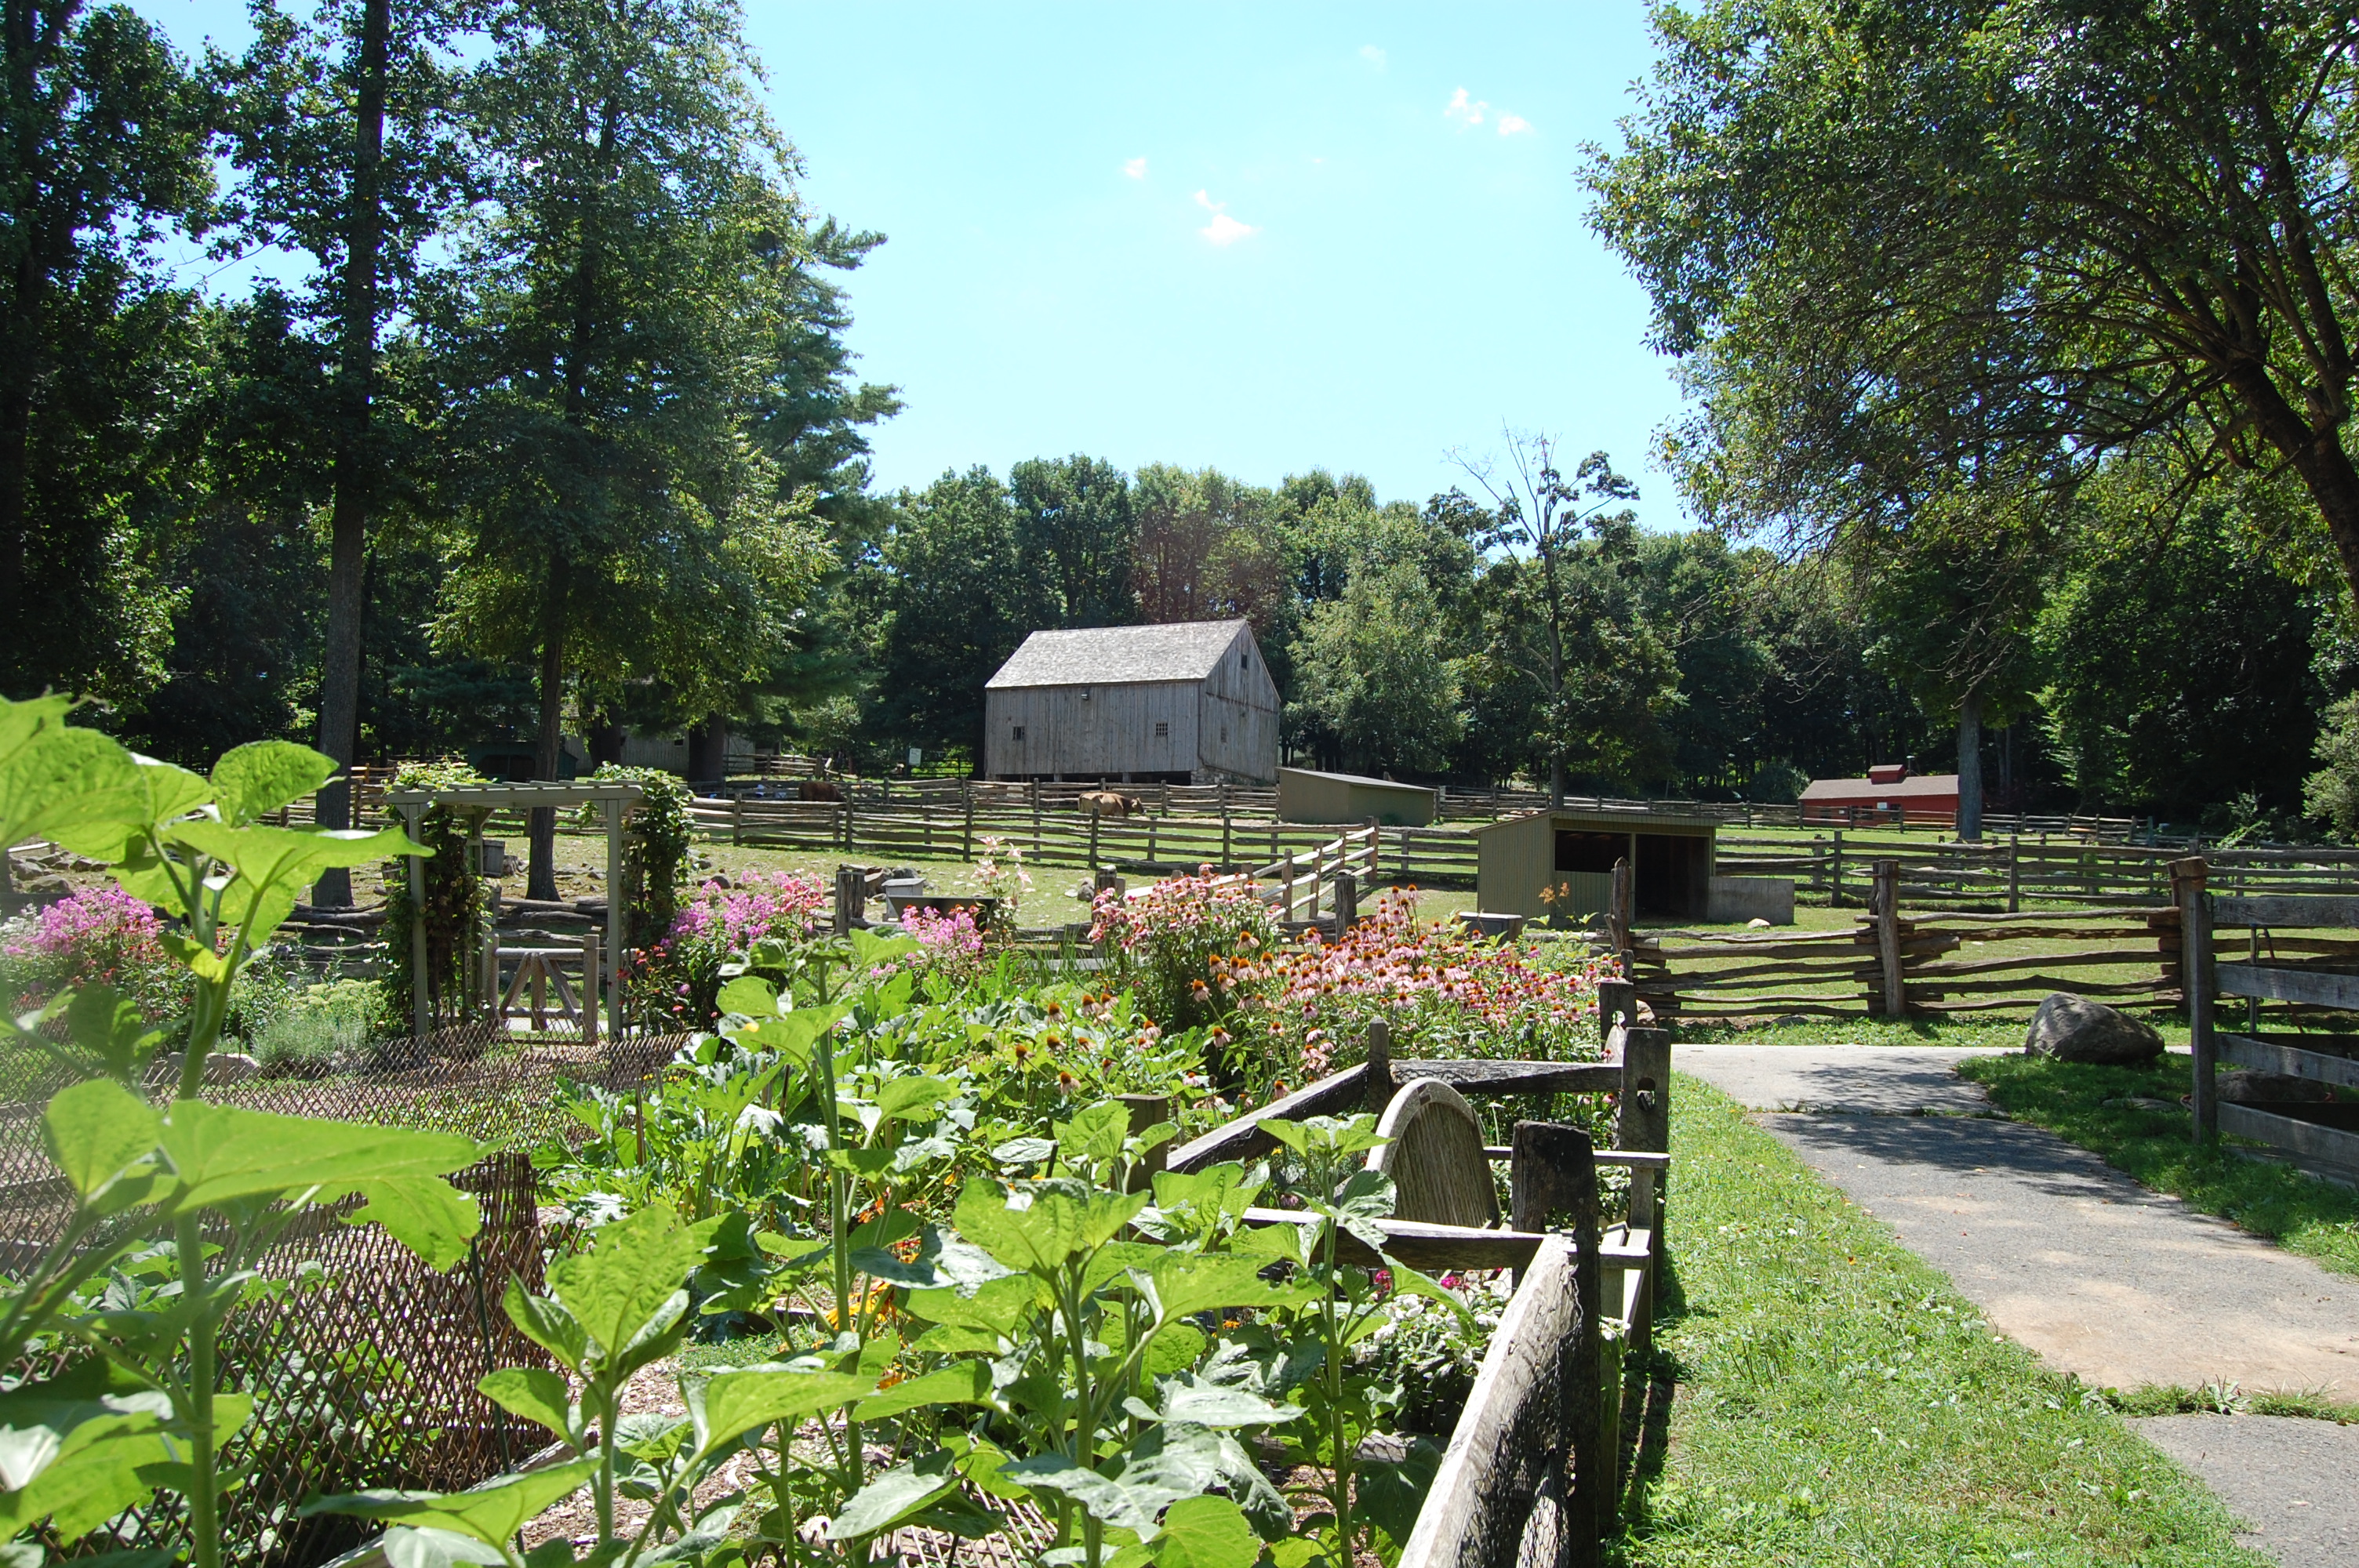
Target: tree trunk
{"type": "Point", "coordinates": [540, 881]}
{"type": "Point", "coordinates": [708, 750]}
{"type": "Point", "coordinates": [1970, 768]}
{"type": "Point", "coordinates": [340, 670]}
{"type": "Point", "coordinates": [604, 737]}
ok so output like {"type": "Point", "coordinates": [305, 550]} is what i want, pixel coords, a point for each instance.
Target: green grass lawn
{"type": "Point", "coordinates": [1836, 1402]}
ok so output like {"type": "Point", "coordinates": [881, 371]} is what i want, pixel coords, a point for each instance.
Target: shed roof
{"type": "Point", "coordinates": [1916, 788]}
{"type": "Point", "coordinates": [1115, 655]}
{"type": "Point", "coordinates": [1361, 781]}
{"type": "Point", "coordinates": [1624, 820]}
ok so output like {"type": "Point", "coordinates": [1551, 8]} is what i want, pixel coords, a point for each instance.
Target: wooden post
{"type": "Point", "coordinates": [1624, 901]}
{"type": "Point", "coordinates": [966, 835]}
{"type": "Point", "coordinates": [1094, 841]}
{"type": "Point", "coordinates": [1642, 1121]}
{"type": "Point", "coordinates": [1036, 819]}
{"type": "Point", "coordinates": [1151, 840]}
{"type": "Point", "coordinates": [1553, 1170]}
{"type": "Point", "coordinates": [590, 998]}
{"type": "Point", "coordinates": [1834, 880]}
{"type": "Point", "coordinates": [420, 1017]}
{"type": "Point", "coordinates": [2187, 878]}
{"type": "Point", "coordinates": [1224, 824]}
{"type": "Point", "coordinates": [847, 817]}
{"type": "Point", "coordinates": [617, 911]}
{"type": "Point", "coordinates": [1145, 1111]}
{"type": "Point", "coordinates": [2014, 873]}
{"type": "Point", "coordinates": [1617, 1002]}
{"type": "Point", "coordinates": [1378, 1082]}
{"type": "Point", "coordinates": [487, 972]}
{"type": "Point", "coordinates": [738, 819]}
{"type": "Point", "coordinates": [1347, 903]}
{"type": "Point", "coordinates": [850, 899]}
{"type": "Point", "coordinates": [1885, 905]}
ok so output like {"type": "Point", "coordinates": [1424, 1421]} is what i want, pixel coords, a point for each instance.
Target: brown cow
{"type": "Point", "coordinates": [1108, 802]}
{"type": "Point", "coordinates": [819, 789]}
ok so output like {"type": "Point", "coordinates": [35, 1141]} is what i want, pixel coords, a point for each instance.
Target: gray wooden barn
{"type": "Point", "coordinates": [1190, 702]}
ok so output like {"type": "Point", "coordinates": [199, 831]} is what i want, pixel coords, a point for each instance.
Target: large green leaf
{"type": "Point", "coordinates": [911, 1096]}
{"type": "Point", "coordinates": [425, 1214]}
{"type": "Point", "coordinates": [1392, 1492]}
{"type": "Point", "coordinates": [96, 1130]}
{"type": "Point", "coordinates": [112, 1027]}
{"type": "Point", "coordinates": [1041, 1225]}
{"type": "Point", "coordinates": [57, 780]}
{"type": "Point", "coordinates": [893, 1496]}
{"type": "Point", "coordinates": [220, 1153]}
{"type": "Point", "coordinates": [263, 776]}
{"type": "Point", "coordinates": [632, 1268]}
{"type": "Point", "coordinates": [547, 1324]}
{"type": "Point", "coordinates": [794, 1035]}
{"type": "Point", "coordinates": [748, 1398]}
{"type": "Point", "coordinates": [534, 1393]}
{"type": "Point", "coordinates": [275, 863]}
{"type": "Point", "coordinates": [1095, 1133]}
{"type": "Point", "coordinates": [1186, 1283]}
{"type": "Point", "coordinates": [1205, 1532]}
{"type": "Point", "coordinates": [1189, 1400]}
{"type": "Point", "coordinates": [489, 1514]}
{"type": "Point", "coordinates": [748, 996]}
{"type": "Point", "coordinates": [407, 1547]}
{"type": "Point", "coordinates": [961, 1383]}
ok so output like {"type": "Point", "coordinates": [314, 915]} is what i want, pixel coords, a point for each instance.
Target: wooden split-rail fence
{"type": "Point", "coordinates": [1896, 962]}
{"type": "Point", "coordinates": [1049, 829]}
{"type": "Point", "coordinates": [2293, 956]}
{"type": "Point", "coordinates": [2010, 872]}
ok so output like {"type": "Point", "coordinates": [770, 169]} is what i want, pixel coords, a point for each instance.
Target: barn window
{"type": "Point", "coordinates": [1019, 732]}
{"type": "Point", "coordinates": [1163, 730]}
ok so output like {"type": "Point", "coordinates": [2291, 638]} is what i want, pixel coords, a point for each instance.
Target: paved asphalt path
{"type": "Point", "coordinates": [2101, 1277]}
{"type": "Point", "coordinates": [2098, 1275]}
{"type": "Point", "coordinates": [2293, 1484]}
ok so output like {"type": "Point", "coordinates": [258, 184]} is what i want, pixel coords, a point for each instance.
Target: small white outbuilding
{"type": "Point", "coordinates": [1188, 702]}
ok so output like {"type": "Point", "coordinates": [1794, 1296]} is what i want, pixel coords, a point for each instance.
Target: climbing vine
{"type": "Point", "coordinates": [456, 907]}
{"type": "Point", "coordinates": [655, 850]}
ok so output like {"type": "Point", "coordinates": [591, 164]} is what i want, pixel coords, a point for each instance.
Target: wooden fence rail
{"type": "Point", "coordinates": [1898, 961]}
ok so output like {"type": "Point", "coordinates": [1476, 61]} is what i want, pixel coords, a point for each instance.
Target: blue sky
{"type": "Point", "coordinates": [1263, 237]}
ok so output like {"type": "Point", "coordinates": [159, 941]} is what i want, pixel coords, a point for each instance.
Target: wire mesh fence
{"type": "Point", "coordinates": [363, 1360]}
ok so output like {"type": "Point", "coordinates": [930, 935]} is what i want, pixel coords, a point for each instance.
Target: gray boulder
{"type": "Point", "coordinates": [2074, 1029]}
{"type": "Point", "coordinates": [2248, 1086]}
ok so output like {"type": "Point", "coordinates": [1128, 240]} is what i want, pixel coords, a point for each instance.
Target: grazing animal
{"type": "Point", "coordinates": [1107, 803]}
{"type": "Point", "coordinates": [819, 789]}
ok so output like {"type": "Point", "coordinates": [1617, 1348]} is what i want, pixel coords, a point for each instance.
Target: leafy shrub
{"type": "Point", "coordinates": [98, 936]}
{"type": "Point", "coordinates": [316, 1026]}
{"type": "Point", "coordinates": [673, 984]}
{"type": "Point", "coordinates": [1166, 938]}
{"type": "Point", "coordinates": [457, 910]}
{"type": "Point", "coordinates": [657, 850]}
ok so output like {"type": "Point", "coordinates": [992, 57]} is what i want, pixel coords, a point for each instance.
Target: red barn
{"type": "Point", "coordinates": [1886, 796]}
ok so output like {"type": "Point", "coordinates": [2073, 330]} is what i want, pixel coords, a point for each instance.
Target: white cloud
{"type": "Point", "coordinates": [1222, 230]}
{"type": "Point", "coordinates": [1373, 55]}
{"type": "Point", "coordinates": [1135, 168]}
{"type": "Point", "coordinates": [1470, 112]}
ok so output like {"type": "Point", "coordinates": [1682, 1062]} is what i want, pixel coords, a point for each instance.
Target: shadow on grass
{"type": "Point", "coordinates": [2100, 1108]}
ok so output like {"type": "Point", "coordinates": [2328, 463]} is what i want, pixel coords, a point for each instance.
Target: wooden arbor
{"type": "Point", "coordinates": [476, 803]}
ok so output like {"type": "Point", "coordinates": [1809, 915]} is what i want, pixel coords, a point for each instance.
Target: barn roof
{"type": "Point", "coordinates": [1916, 786]}
{"type": "Point", "coordinates": [1115, 656]}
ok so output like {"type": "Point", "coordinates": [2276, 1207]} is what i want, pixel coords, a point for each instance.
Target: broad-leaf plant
{"type": "Point", "coordinates": [113, 1388]}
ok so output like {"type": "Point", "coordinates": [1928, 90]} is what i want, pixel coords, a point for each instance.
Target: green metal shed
{"type": "Point", "coordinates": [1305, 796]}
{"type": "Point", "coordinates": [1570, 854]}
